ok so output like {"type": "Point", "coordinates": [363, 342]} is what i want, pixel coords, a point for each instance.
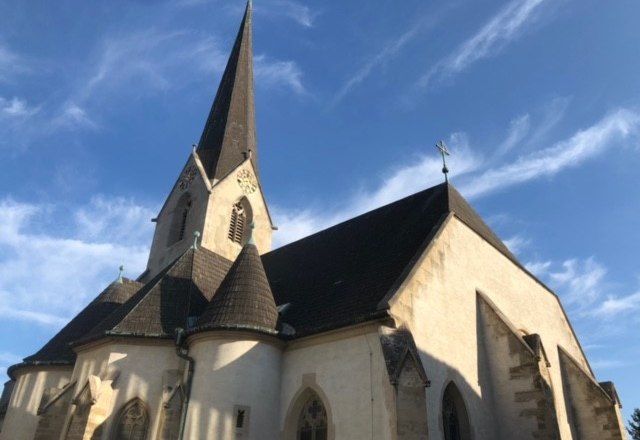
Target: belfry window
{"type": "Point", "coordinates": [455, 421]}
{"type": "Point", "coordinates": [312, 424]}
{"type": "Point", "coordinates": [179, 220]}
{"type": "Point", "coordinates": [132, 422]}
{"type": "Point", "coordinates": [241, 218]}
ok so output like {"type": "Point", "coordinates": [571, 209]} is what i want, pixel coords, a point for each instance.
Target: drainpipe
{"type": "Point", "coordinates": [182, 352]}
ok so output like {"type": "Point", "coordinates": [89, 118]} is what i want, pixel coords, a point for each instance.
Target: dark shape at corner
{"type": "Point", "coordinates": [229, 134]}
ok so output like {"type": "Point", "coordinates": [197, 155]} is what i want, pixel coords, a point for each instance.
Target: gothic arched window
{"type": "Point", "coordinates": [455, 421]}
{"type": "Point", "coordinates": [132, 422]}
{"type": "Point", "coordinates": [312, 424]}
{"type": "Point", "coordinates": [241, 218]}
{"type": "Point", "coordinates": [179, 219]}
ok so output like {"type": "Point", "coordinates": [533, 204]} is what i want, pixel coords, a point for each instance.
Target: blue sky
{"type": "Point", "coordinates": [538, 101]}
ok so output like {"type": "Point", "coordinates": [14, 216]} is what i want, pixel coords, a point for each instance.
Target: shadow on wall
{"type": "Point", "coordinates": [455, 410]}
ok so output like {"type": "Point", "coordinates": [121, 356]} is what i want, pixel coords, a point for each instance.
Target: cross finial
{"type": "Point", "coordinates": [120, 270]}
{"type": "Point", "coordinates": [442, 147]}
{"type": "Point", "coordinates": [196, 235]}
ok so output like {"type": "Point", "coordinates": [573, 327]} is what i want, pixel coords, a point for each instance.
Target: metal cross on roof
{"type": "Point", "coordinates": [442, 147]}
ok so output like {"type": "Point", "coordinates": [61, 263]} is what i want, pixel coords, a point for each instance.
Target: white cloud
{"type": "Point", "coordinates": [46, 277]}
{"type": "Point", "coordinates": [507, 25]}
{"type": "Point", "coordinates": [150, 60]}
{"type": "Point", "coordinates": [602, 364]}
{"type": "Point", "coordinates": [580, 282]}
{"type": "Point", "coordinates": [72, 115]}
{"type": "Point", "coordinates": [571, 152]}
{"type": "Point", "coordinates": [423, 172]}
{"type": "Point", "coordinates": [11, 63]}
{"type": "Point", "coordinates": [275, 73]}
{"type": "Point", "coordinates": [517, 243]}
{"type": "Point", "coordinates": [388, 52]}
{"type": "Point", "coordinates": [15, 108]}
{"type": "Point", "coordinates": [615, 305]}
{"type": "Point", "coordinates": [301, 14]}
{"type": "Point", "coordinates": [517, 131]}
{"type": "Point", "coordinates": [9, 358]}
{"type": "Point", "coordinates": [538, 268]}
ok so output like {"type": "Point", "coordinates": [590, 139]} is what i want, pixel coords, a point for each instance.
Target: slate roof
{"type": "Point", "coordinates": [182, 290]}
{"type": "Point", "coordinates": [244, 299]}
{"type": "Point", "coordinates": [339, 276]}
{"type": "Point", "coordinates": [57, 349]}
{"type": "Point", "coordinates": [331, 279]}
{"type": "Point", "coordinates": [230, 130]}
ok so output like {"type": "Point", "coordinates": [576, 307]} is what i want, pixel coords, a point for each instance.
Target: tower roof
{"type": "Point", "coordinates": [342, 275]}
{"type": "Point", "coordinates": [57, 350]}
{"type": "Point", "coordinates": [230, 131]}
{"type": "Point", "coordinates": [180, 291]}
{"type": "Point", "coordinates": [244, 299]}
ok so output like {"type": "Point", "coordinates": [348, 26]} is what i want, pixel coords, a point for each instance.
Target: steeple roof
{"type": "Point", "coordinates": [244, 299]}
{"type": "Point", "coordinates": [230, 131]}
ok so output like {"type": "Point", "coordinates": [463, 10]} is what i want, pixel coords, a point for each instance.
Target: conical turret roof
{"type": "Point", "coordinates": [111, 298]}
{"type": "Point", "coordinates": [244, 299]}
{"type": "Point", "coordinates": [230, 131]}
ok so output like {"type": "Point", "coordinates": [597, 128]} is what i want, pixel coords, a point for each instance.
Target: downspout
{"type": "Point", "coordinates": [183, 352]}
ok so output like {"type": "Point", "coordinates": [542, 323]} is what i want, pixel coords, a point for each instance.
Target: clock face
{"type": "Point", "coordinates": [187, 177]}
{"type": "Point", "coordinates": [246, 181]}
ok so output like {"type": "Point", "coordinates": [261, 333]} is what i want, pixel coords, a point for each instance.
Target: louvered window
{"type": "Point", "coordinates": [241, 217]}
{"type": "Point", "coordinates": [237, 225]}
{"type": "Point", "coordinates": [179, 220]}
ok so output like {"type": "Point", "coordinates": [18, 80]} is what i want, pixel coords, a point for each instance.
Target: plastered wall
{"type": "Point", "coordinates": [234, 369]}
{"type": "Point", "coordinates": [21, 420]}
{"type": "Point", "coordinates": [437, 303]}
{"type": "Point", "coordinates": [210, 214]}
{"type": "Point", "coordinates": [348, 372]}
{"type": "Point", "coordinates": [141, 366]}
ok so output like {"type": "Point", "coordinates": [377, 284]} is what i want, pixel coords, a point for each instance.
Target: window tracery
{"type": "Point", "coordinates": [133, 422]}
{"type": "Point", "coordinates": [312, 424]}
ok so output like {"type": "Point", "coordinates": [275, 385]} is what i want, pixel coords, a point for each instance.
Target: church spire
{"type": "Point", "coordinates": [229, 134]}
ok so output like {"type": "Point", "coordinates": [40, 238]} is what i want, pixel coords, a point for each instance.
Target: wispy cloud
{"type": "Point", "coordinates": [275, 73]}
{"type": "Point", "coordinates": [40, 276]}
{"type": "Point", "coordinates": [389, 50]}
{"type": "Point", "coordinates": [571, 152]}
{"type": "Point", "coordinates": [301, 14]}
{"type": "Point", "coordinates": [149, 60]}
{"type": "Point", "coordinates": [517, 243]}
{"type": "Point", "coordinates": [15, 108]}
{"type": "Point", "coordinates": [422, 172]}
{"type": "Point", "coordinates": [603, 364]}
{"type": "Point", "coordinates": [581, 282]}
{"type": "Point", "coordinates": [517, 132]}
{"type": "Point", "coordinates": [11, 63]}
{"type": "Point", "coordinates": [471, 173]}
{"type": "Point", "coordinates": [507, 25]}
{"type": "Point", "coordinates": [615, 305]}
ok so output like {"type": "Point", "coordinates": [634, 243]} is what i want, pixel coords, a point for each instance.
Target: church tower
{"type": "Point", "coordinates": [218, 193]}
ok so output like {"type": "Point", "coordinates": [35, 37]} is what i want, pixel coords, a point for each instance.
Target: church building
{"type": "Point", "coordinates": [410, 322]}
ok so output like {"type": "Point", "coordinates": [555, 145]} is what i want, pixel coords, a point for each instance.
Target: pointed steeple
{"type": "Point", "coordinates": [229, 134]}
{"type": "Point", "coordinates": [244, 299]}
